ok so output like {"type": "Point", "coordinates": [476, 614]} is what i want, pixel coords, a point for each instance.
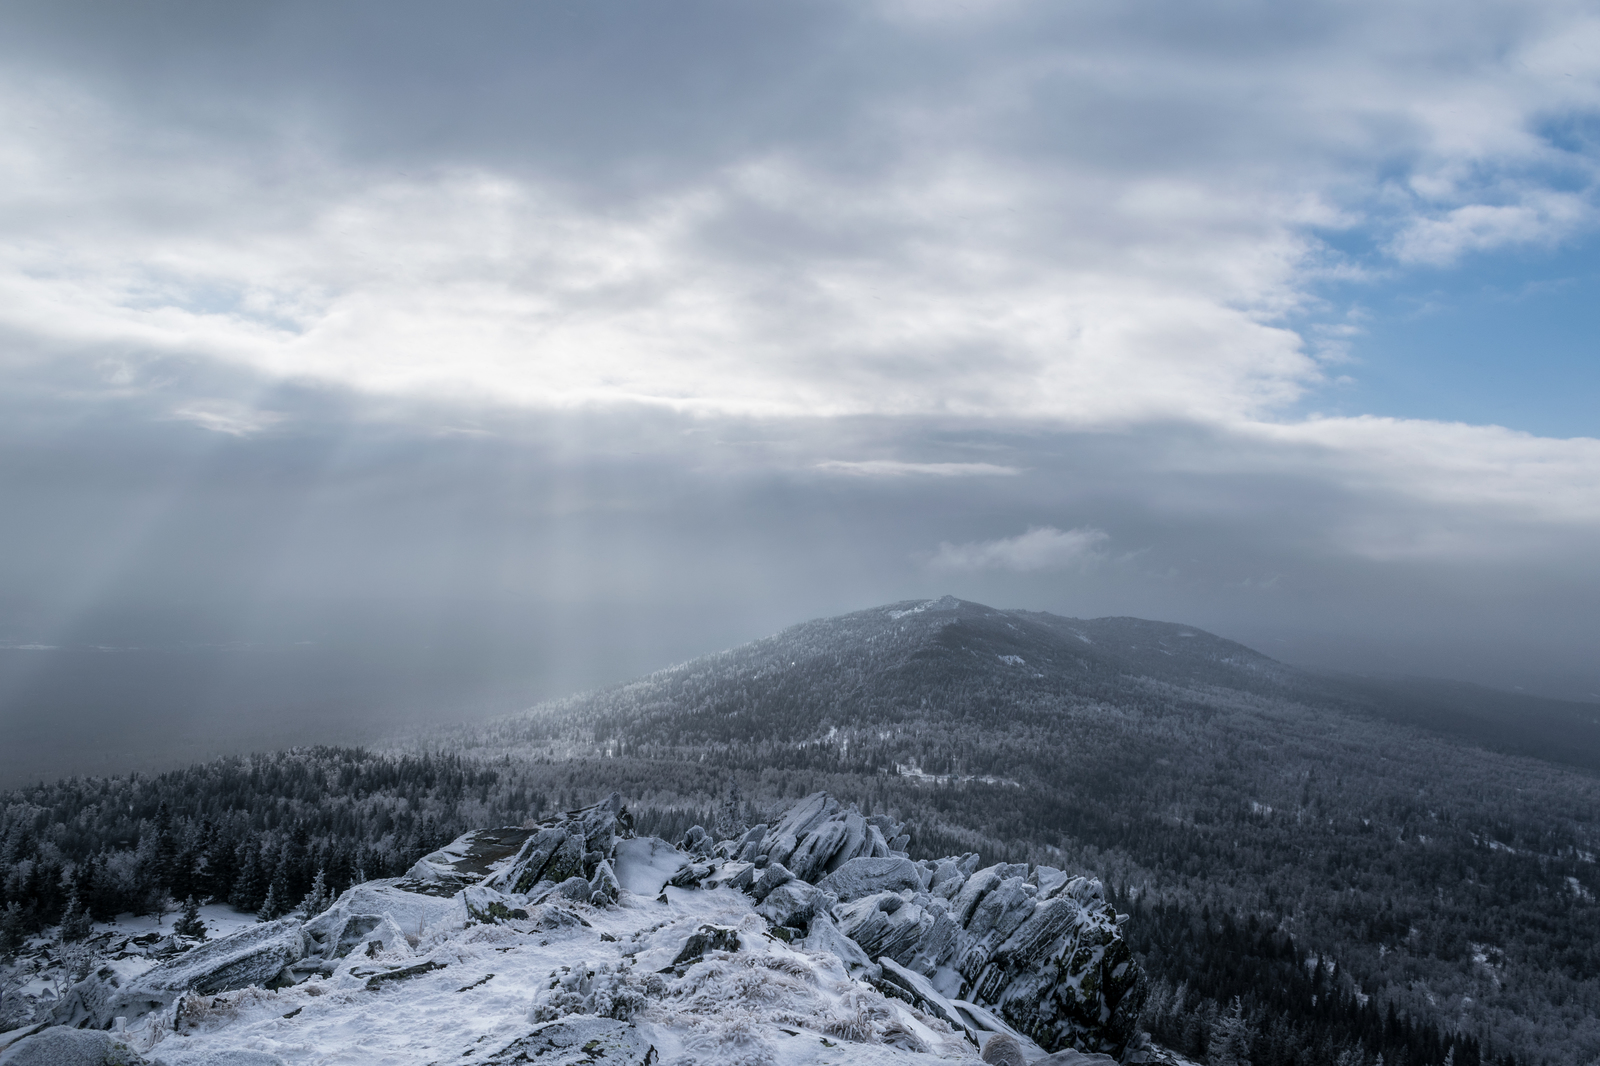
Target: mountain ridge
{"type": "Point", "coordinates": [852, 662]}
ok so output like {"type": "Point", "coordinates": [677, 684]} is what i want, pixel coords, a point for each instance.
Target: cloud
{"type": "Point", "coordinates": [896, 468]}
{"type": "Point", "coordinates": [939, 246]}
{"type": "Point", "coordinates": [552, 307]}
{"type": "Point", "coordinates": [228, 417]}
{"type": "Point", "coordinates": [1040, 548]}
{"type": "Point", "coordinates": [1542, 218]}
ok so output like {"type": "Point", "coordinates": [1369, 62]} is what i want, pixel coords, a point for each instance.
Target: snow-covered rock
{"type": "Point", "coordinates": [258, 956]}
{"type": "Point", "coordinates": [228, 1056]}
{"type": "Point", "coordinates": [571, 847]}
{"type": "Point", "coordinates": [464, 861]}
{"type": "Point", "coordinates": [865, 875]}
{"type": "Point", "coordinates": [578, 1041]}
{"type": "Point", "coordinates": [644, 865]}
{"type": "Point", "coordinates": [502, 951]}
{"type": "Point", "coordinates": [62, 1046]}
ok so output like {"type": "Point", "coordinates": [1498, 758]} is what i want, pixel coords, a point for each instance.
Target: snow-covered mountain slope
{"type": "Point", "coordinates": [578, 942]}
{"type": "Point", "coordinates": [955, 662]}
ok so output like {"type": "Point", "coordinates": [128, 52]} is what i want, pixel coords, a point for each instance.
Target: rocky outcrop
{"type": "Point", "coordinates": [1026, 952]}
{"type": "Point", "coordinates": [465, 861]}
{"type": "Point", "coordinates": [1050, 963]}
{"type": "Point", "coordinates": [257, 956]}
{"type": "Point", "coordinates": [1036, 951]}
{"type": "Point", "coordinates": [866, 876]}
{"type": "Point", "coordinates": [572, 847]}
{"type": "Point", "coordinates": [818, 835]}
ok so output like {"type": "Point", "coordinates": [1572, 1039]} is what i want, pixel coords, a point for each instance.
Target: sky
{"type": "Point", "coordinates": [480, 353]}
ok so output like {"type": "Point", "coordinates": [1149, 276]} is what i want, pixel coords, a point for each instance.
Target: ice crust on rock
{"type": "Point", "coordinates": [571, 847]}
{"type": "Point", "coordinates": [644, 865]}
{"type": "Point", "coordinates": [63, 1046]}
{"type": "Point", "coordinates": [865, 875]}
{"type": "Point", "coordinates": [578, 1041]}
{"type": "Point", "coordinates": [260, 955]}
{"type": "Point", "coordinates": [711, 950]}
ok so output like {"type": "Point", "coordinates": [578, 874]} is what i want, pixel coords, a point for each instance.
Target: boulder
{"type": "Point", "coordinates": [568, 847]}
{"type": "Point", "coordinates": [485, 906]}
{"type": "Point", "coordinates": [770, 877]}
{"type": "Point", "coordinates": [1002, 1050]}
{"type": "Point", "coordinates": [644, 865]}
{"type": "Point", "coordinates": [413, 913]}
{"type": "Point", "coordinates": [823, 938]}
{"type": "Point", "coordinates": [465, 861]}
{"type": "Point", "coordinates": [792, 905]}
{"type": "Point", "coordinates": [866, 876]}
{"type": "Point", "coordinates": [706, 938]}
{"type": "Point", "coordinates": [578, 1041]}
{"type": "Point", "coordinates": [920, 993]}
{"type": "Point", "coordinates": [259, 955]}
{"type": "Point", "coordinates": [885, 925]}
{"type": "Point", "coordinates": [603, 885]}
{"type": "Point", "coordinates": [750, 843]}
{"type": "Point", "coordinates": [62, 1046]}
{"type": "Point", "coordinates": [697, 842]}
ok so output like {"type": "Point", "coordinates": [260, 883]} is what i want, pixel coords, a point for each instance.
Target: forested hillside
{"type": "Point", "coordinates": [1204, 781]}
{"type": "Point", "coordinates": [1339, 884]}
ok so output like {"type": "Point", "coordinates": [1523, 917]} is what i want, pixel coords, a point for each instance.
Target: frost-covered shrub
{"type": "Point", "coordinates": [856, 1017]}
{"type": "Point", "coordinates": [620, 994]}
{"type": "Point", "coordinates": [194, 1011]}
{"type": "Point", "coordinates": [732, 1038]}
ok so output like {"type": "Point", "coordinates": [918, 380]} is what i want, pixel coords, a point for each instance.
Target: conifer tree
{"type": "Point", "coordinates": [316, 900]}
{"type": "Point", "coordinates": [246, 894]}
{"type": "Point", "coordinates": [75, 922]}
{"type": "Point", "coordinates": [190, 923]}
{"type": "Point", "coordinates": [730, 817]}
{"type": "Point", "coordinates": [269, 907]}
{"type": "Point", "coordinates": [12, 932]}
{"type": "Point", "coordinates": [1230, 1038]}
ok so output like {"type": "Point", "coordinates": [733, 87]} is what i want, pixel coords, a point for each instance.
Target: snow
{"type": "Point", "coordinates": [767, 1003]}
{"type": "Point", "coordinates": [743, 964]}
{"type": "Point", "coordinates": [916, 773]}
{"type": "Point", "coordinates": [645, 864]}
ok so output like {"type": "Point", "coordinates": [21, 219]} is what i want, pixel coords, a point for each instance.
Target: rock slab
{"type": "Point", "coordinates": [61, 1046]}
{"type": "Point", "coordinates": [578, 1041]}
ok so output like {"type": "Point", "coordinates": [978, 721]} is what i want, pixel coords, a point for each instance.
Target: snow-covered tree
{"type": "Point", "coordinates": [269, 906]}
{"type": "Point", "coordinates": [317, 900]}
{"type": "Point", "coordinates": [730, 815]}
{"type": "Point", "coordinates": [1230, 1038]}
{"type": "Point", "coordinates": [12, 933]}
{"type": "Point", "coordinates": [75, 922]}
{"type": "Point", "coordinates": [190, 923]}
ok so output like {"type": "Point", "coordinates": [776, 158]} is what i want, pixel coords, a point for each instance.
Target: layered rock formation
{"type": "Point", "coordinates": [1037, 948]}
{"type": "Point", "coordinates": [1027, 952]}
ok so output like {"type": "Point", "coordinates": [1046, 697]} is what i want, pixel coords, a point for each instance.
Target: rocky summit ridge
{"type": "Point", "coordinates": [579, 941]}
